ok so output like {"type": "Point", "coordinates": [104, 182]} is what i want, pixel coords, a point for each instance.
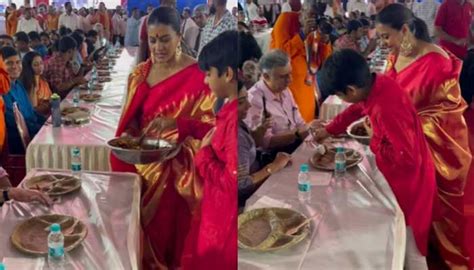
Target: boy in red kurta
{"type": "Point", "coordinates": [398, 142]}
{"type": "Point", "coordinates": [214, 245]}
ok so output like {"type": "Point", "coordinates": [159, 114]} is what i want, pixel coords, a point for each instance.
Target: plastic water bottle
{"type": "Point", "coordinates": [117, 45]}
{"type": "Point", "coordinates": [2, 266]}
{"type": "Point", "coordinates": [76, 164]}
{"type": "Point", "coordinates": [55, 247]}
{"type": "Point", "coordinates": [94, 72]}
{"type": "Point", "coordinates": [75, 97]}
{"type": "Point", "coordinates": [304, 185]}
{"type": "Point", "coordinates": [340, 163]}
{"type": "Point", "coordinates": [55, 110]}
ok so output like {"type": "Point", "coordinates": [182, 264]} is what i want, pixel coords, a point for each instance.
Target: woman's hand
{"type": "Point", "coordinates": [319, 134]}
{"type": "Point", "coordinates": [368, 127]}
{"type": "Point", "coordinates": [26, 195]}
{"type": "Point", "coordinates": [208, 138]}
{"type": "Point", "coordinates": [162, 123]}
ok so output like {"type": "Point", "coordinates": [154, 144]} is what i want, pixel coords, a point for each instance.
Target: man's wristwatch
{"type": "Point", "coordinates": [5, 196]}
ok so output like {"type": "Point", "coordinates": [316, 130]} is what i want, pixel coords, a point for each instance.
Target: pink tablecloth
{"type": "Point", "coordinates": [108, 204]}
{"type": "Point", "coordinates": [51, 147]}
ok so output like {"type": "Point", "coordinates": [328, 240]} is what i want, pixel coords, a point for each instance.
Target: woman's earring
{"type": "Point", "coordinates": [179, 50]}
{"type": "Point", "coordinates": [406, 47]}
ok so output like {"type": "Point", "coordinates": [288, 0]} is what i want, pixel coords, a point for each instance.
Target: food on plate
{"type": "Point", "coordinates": [326, 161]}
{"type": "Point", "coordinates": [90, 97]}
{"type": "Point", "coordinates": [359, 130]}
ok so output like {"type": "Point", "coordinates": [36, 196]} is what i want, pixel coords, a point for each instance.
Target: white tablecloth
{"type": "Point", "coordinates": [362, 226]}
{"type": "Point", "coordinates": [331, 107]}
{"type": "Point", "coordinates": [51, 147]}
{"type": "Point", "coordinates": [108, 204]}
{"type": "Point", "coordinates": [263, 39]}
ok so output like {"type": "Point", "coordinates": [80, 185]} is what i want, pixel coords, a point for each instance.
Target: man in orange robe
{"type": "Point", "coordinates": [287, 36]}
{"type": "Point", "coordinates": [12, 20]}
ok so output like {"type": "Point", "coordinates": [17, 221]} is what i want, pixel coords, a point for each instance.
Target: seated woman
{"type": "Point", "coordinates": [37, 88]}
{"type": "Point", "coordinates": [18, 94]}
{"type": "Point", "coordinates": [351, 39]}
{"type": "Point", "coordinates": [169, 85]}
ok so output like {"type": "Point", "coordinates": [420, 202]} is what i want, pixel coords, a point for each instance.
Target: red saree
{"type": "Point", "coordinates": [171, 189]}
{"type": "Point", "coordinates": [432, 83]}
{"type": "Point", "coordinates": [214, 244]}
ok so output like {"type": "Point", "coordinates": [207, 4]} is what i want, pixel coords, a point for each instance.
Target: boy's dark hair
{"type": "Point", "coordinates": [22, 36]}
{"type": "Point", "coordinates": [44, 34]}
{"type": "Point", "coordinates": [466, 80]}
{"type": "Point", "coordinates": [248, 48]}
{"type": "Point", "coordinates": [64, 31]}
{"type": "Point", "coordinates": [92, 33]}
{"type": "Point", "coordinates": [220, 53]}
{"type": "Point", "coordinates": [80, 31]}
{"type": "Point", "coordinates": [34, 36]}
{"type": "Point", "coordinates": [342, 69]}
{"type": "Point", "coordinates": [364, 22]}
{"type": "Point", "coordinates": [8, 51]}
{"type": "Point", "coordinates": [66, 43]}
{"type": "Point", "coordinates": [325, 28]}
{"type": "Point", "coordinates": [353, 25]}
{"type": "Point", "coordinates": [78, 38]}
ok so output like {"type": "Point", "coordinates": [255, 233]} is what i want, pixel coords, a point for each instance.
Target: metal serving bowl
{"type": "Point", "coordinates": [152, 150]}
{"type": "Point", "coordinates": [365, 140]}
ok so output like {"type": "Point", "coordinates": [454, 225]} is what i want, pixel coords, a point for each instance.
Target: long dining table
{"type": "Point", "coordinates": [51, 147]}
{"type": "Point", "coordinates": [360, 224]}
{"type": "Point", "coordinates": [107, 204]}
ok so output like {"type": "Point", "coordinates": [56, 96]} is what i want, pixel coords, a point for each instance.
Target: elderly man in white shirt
{"type": "Point", "coordinates": [69, 19]}
{"type": "Point", "coordinates": [193, 30]}
{"type": "Point", "coordinates": [358, 5]}
{"type": "Point", "coordinates": [27, 23]}
{"type": "Point", "coordinates": [426, 10]}
{"type": "Point", "coordinates": [252, 10]}
{"type": "Point", "coordinates": [119, 25]}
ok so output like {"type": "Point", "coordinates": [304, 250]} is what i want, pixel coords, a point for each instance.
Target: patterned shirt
{"type": "Point", "coordinates": [212, 30]}
{"type": "Point", "coordinates": [345, 42]}
{"type": "Point", "coordinates": [57, 71]}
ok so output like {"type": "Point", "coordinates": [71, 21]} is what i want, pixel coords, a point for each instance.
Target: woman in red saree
{"type": "Point", "coordinates": [169, 84]}
{"type": "Point", "coordinates": [430, 76]}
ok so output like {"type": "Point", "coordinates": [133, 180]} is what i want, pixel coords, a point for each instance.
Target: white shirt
{"type": "Point", "coordinates": [286, 7]}
{"type": "Point", "coordinates": [69, 21]}
{"type": "Point", "coordinates": [426, 10]}
{"type": "Point", "coordinates": [252, 10]}
{"type": "Point", "coordinates": [27, 26]}
{"type": "Point", "coordinates": [119, 25]}
{"type": "Point", "coordinates": [131, 35]}
{"type": "Point", "coordinates": [191, 32]}
{"type": "Point", "coordinates": [361, 6]}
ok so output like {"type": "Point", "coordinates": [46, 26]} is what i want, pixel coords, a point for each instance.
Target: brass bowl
{"type": "Point", "coordinates": [31, 235]}
{"type": "Point", "coordinates": [365, 140]}
{"type": "Point", "coordinates": [263, 229]}
{"type": "Point", "coordinates": [152, 150]}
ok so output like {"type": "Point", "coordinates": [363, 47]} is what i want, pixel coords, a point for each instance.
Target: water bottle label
{"type": "Point", "coordinates": [56, 251]}
{"type": "Point", "coordinates": [304, 187]}
{"type": "Point", "coordinates": [76, 167]}
{"type": "Point", "coordinates": [340, 166]}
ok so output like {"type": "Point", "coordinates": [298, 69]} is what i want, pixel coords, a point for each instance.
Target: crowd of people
{"type": "Point", "coordinates": [201, 77]}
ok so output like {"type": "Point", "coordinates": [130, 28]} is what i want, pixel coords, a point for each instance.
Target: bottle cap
{"type": "Point", "coordinates": [340, 149]}
{"type": "Point", "coordinates": [55, 96]}
{"type": "Point", "coordinates": [55, 227]}
{"type": "Point", "coordinates": [75, 151]}
{"type": "Point", "coordinates": [304, 167]}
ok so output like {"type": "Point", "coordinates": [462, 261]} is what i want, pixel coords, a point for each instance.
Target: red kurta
{"type": "Point", "coordinates": [401, 152]}
{"type": "Point", "coordinates": [215, 245]}
{"type": "Point", "coordinates": [455, 20]}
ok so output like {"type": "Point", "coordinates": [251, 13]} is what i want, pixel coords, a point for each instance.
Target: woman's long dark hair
{"type": "Point", "coordinates": [27, 76]}
{"type": "Point", "coordinates": [396, 15]}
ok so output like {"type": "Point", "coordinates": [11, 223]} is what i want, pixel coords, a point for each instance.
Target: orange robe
{"type": "Point", "coordinates": [105, 21]}
{"type": "Point", "coordinates": [432, 83]}
{"type": "Point", "coordinates": [285, 36]}
{"type": "Point", "coordinates": [321, 53]}
{"type": "Point", "coordinates": [12, 23]}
